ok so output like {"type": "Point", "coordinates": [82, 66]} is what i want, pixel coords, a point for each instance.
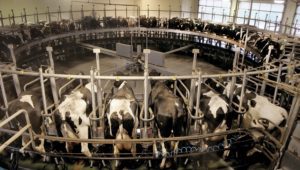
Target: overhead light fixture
{"type": "Point", "coordinates": [278, 1]}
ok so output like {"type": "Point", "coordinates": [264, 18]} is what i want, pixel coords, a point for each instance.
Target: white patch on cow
{"type": "Point", "coordinates": [121, 86]}
{"type": "Point", "coordinates": [267, 110]}
{"type": "Point", "coordinates": [76, 106]}
{"type": "Point", "coordinates": [89, 86]}
{"type": "Point", "coordinates": [116, 105]}
{"type": "Point", "coordinates": [215, 103]}
{"type": "Point", "coordinates": [83, 134]}
{"type": "Point", "coordinates": [227, 88]}
{"type": "Point", "coordinates": [27, 99]}
{"type": "Point", "coordinates": [176, 104]}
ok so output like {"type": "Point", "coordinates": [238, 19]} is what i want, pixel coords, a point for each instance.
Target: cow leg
{"type": "Point", "coordinates": [176, 149]}
{"type": "Point", "coordinates": [226, 146]}
{"type": "Point", "coordinates": [133, 147]}
{"type": "Point", "coordinates": [164, 152]}
{"type": "Point", "coordinates": [116, 154]}
{"type": "Point", "coordinates": [83, 134]}
{"type": "Point", "coordinates": [155, 150]}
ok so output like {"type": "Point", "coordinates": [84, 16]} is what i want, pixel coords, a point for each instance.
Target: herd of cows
{"type": "Point", "coordinates": [171, 113]}
{"type": "Point", "coordinates": [28, 32]}
{"type": "Point", "coordinates": [71, 117]}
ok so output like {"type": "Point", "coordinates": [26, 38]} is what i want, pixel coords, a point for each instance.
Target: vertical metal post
{"type": "Point", "coordinates": [244, 17]}
{"type": "Point", "coordinates": [1, 19]}
{"type": "Point", "coordinates": [82, 13]}
{"type": "Point", "coordinates": [147, 10]}
{"type": "Point", "coordinates": [295, 27]}
{"type": "Point", "coordinates": [43, 91]}
{"type": "Point", "coordinates": [115, 11]}
{"type": "Point", "coordinates": [21, 15]}
{"type": "Point", "coordinates": [250, 12]}
{"type": "Point", "coordinates": [245, 46]}
{"type": "Point", "coordinates": [49, 15]}
{"type": "Point", "coordinates": [266, 75]}
{"type": "Point", "coordinates": [52, 79]}
{"type": "Point", "coordinates": [13, 17]}
{"type": "Point", "coordinates": [93, 11]}
{"type": "Point", "coordinates": [198, 101]}
{"type": "Point", "coordinates": [37, 15]}
{"type": "Point", "coordinates": [15, 76]}
{"type": "Point", "coordinates": [12, 54]}
{"type": "Point", "coordinates": [71, 13]}
{"type": "Point", "coordinates": [255, 18]}
{"type": "Point", "coordinates": [146, 87]}
{"type": "Point", "coordinates": [126, 12]}
{"type": "Point", "coordinates": [266, 22]}
{"type": "Point", "coordinates": [99, 90]}
{"type": "Point", "coordinates": [49, 49]}
{"type": "Point", "coordinates": [212, 14]}
{"type": "Point", "coordinates": [278, 80]}
{"type": "Point", "coordinates": [59, 14]}
{"type": "Point", "coordinates": [104, 10]}
{"type": "Point", "coordinates": [223, 15]}
{"type": "Point", "coordinates": [236, 56]}
{"type": "Point", "coordinates": [4, 97]}
{"type": "Point", "coordinates": [9, 19]}
{"type": "Point", "coordinates": [289, 125]}
{"type": "Point", "coordinates": [169, 12]}
{"type": "Point", "coordinates": [94, 128]}
{"type": "Point", "coordinates": [234, 69]}
{"type": "Point", "coordinates": [25, 16]}
{"type": "Point", "coordinates": [275, 29]}
{"type": "Point", "coordinates": [243, 90]}
{"type": "Point", "coordinates": [158, 12]}
{"type": "Point", "coordinates": [139, 17]}
{"type": "Point", "coordinates": [285, 25]}
{"type": "Point", "coordinates": [192, 86]}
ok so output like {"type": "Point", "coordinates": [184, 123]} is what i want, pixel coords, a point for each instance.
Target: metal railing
{"type": "Point", "coordinates": [20, 132]}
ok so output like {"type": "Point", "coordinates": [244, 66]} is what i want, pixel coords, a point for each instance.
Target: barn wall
{"type": "Point", "coordinates": [165, 5]}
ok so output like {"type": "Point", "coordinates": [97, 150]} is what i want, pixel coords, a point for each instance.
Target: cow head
{"type": "Point", "coordinates": [153, 73]}
{"type": "Point", "coordinates": [118, 83]}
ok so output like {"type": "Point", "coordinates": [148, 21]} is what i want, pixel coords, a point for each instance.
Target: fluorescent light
{"type": "Point", "coordinates": [278, 1]}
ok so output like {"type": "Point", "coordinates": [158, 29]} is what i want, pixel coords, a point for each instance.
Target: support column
{"type": "Point", "coordinates": [99, 92]}
{"type": "Point", "coordinates": [52, 79]}
{"type": "Point", "coordinates": [192, 85]}
{"type": "Point", "coordinates": [266, 75]}
{"type": "Point", "coordinates": [146, 90]}
{"type": "Point", "coordinates": [14, 67]}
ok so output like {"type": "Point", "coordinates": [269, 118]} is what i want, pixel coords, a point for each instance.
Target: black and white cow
{"type": "Point", "coordinates": [30, 101]}
{"type": "Point", "coordinates": [72, 116]}
{"type": "Point", "coordinates": [260, 112]}
{"type": "Point", "coordinates": [122, 118]}
{"type": "Point", "coordinates": [170, 117]}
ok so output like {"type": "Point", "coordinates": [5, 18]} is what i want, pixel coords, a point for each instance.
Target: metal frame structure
{"type": "Point", "coordinates": [11, 18]}
{"type": "Point", "coordinates": [147, 116]}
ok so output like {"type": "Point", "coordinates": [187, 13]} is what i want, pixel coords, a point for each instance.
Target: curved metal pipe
{"type": "Point", "coordinates": [146, 119]}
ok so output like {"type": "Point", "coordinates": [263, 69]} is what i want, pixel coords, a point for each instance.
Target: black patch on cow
{"type": "Point", "coordinates": [128, 124]}
{"type": "Point", "coordinates": [250, 95]}
{"type": "Point", "coordinates": [71, 123]}
{"type": "Point", "coordinates": [252, 103]}
{"type": "Point", "coordinates": [79, 121]}
{"type": "Point", "coordinates": [164, 124]}
{"type": "Point", "coordinates": [114, 124]}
